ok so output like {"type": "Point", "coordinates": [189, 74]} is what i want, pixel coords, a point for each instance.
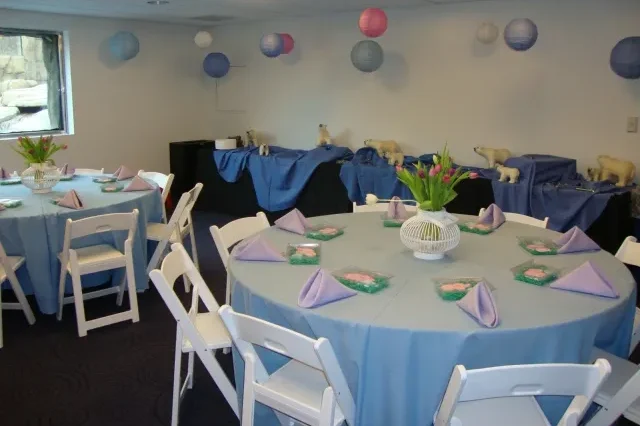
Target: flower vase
{"type": "Point", "coordinates": [40, 177]}
{"type": "Point", "coordinates": [430, 234]}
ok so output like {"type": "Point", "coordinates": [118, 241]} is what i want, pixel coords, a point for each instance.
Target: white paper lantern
{"type": "Point", "coordinates": [203, 39]}
{"type": "Point", "coordinates": [430, 234]}
{"type": "Point", "coordinates": [487, 33]}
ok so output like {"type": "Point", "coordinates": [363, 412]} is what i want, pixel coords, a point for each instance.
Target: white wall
{"type": "Point", "coordinates": [125, 113]}
{"type": "Point", "coordinates": [437, 84]}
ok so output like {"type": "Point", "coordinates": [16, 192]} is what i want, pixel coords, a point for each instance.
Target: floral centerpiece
{"type": "Point", "coordinates": [42, 175]}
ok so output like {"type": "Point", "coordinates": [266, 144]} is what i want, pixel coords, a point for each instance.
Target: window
{"type": "Point", "coordinates": [33, 77]}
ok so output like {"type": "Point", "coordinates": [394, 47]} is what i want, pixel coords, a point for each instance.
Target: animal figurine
{"type": "Point", "coordinates": [394, 158]}
{"type": "Point", "coordinates": [383, 147]}
{"type": "Point", "coordinates": [625, 171]}
{"type": "Point", "coordinates": [493, 155]}
{"type": "Point", "coordinates": [264, 149]}
{"type": "Point", "coordinates": [593, 174]}
{"type": "Point", "coordinates": [324, 138]}
{"type": "Point", "coordinates": [252, 138]}
{"type": "Point", "coordinates": [510, 173]}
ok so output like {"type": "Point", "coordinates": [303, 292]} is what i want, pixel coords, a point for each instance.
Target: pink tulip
{"type": "Point", "coordinates": [432, 172]}
{"type": "Point", "coordinates": [446, 178]}
{"type": "Point", "coordinates": [473, 175]}
{"type": "Point", "coordinates": [438, 168]}
{"type": "Point", "coordinates": [451, 171]}
{"type": "Point", "coordinates": [398, 168]}
{"type": "Point", "coordinates": [421, 174]}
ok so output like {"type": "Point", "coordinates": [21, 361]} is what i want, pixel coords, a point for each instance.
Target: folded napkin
{"type": "Point", "coordinates": [70, 200]}
{"type": "Point", "coordinates": [67, 170]}
{"type": "Point", "coordinates": [4, 174]}
{"type": "Point", "coordinates": [574, 241]}
{"type": "Point", "coordinates": [322, 288]}
{"type": "Point", "coordinates": [480, 305]}
{"type": "Point", "coordinates": [257, 248]}
{"type": "Point", "coordinates": [492, 215]}
{"type": "Point", "coordinates": [123, 173]}
{"type": "Point", "coordinates": [138, 184]}
{"type": "Point", "coordinates": [586, 278]}
{"type": "Point", "coordinates": [294, 221]}
{"type": "Point", "coordinates": [396, 209]}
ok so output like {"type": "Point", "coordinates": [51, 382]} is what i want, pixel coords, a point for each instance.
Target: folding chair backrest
{"type": "Point", "coordinates": [580, 381]}
{"type": "Point", "coordinates": [184, 219]}
{"type": "Point", "coordinates": [89, 172]}
{"type": "Point", "coordinates": [236, 231]}
{"type": "Point", "coordinates": [629, 251]}
{"type": "Point", "coordinates": [4, 261]}
{"type": "Point", "coordinates": [379, 207]}
{"type": "Point", "coordinates": [160, 179]}
{"type": "Point", "coordinates": [524, 219]}
{"type": "Point", "coordinates": [100, 224]}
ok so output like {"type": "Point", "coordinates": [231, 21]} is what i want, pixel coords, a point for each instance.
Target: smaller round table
{"type": "Point", "coordinates": [398, 347]}
{"type": "Point", "coordinates": [36, 229]}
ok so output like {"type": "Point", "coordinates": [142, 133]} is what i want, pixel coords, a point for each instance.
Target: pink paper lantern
{"type": "Point", "coordinates": [288, 43]}
{"type": "Point", "coordinates": [373, 22]}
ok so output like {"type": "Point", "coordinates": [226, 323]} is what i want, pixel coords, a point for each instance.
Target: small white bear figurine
{"type": "Point", "coordinates": [252, 138]}
{"type": "Point", "coordinates": [394, 158]}
{"type": "Point", "coordinates": [493, 155]}
{"type": "Point", "coordinates": [324, 138]}
{"type": "Point", "coordinates": [264, 149]}
{"type": "Point", "coordinates": [593, 174]}
{"type": "Point", "coordinates": [625, 171]}
{"type": "Point", "coordinates": [382, 147]}
{"type": "Point", "coordinates": [511, 173]}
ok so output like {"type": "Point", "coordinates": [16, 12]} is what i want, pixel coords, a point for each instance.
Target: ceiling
{"type": "Point", "coordinates": [206, 12]}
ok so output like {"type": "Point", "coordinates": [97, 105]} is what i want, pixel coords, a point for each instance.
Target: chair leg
{"type": "Point", "coordinates": [131, 286]}
{"type": "Point", "coordinates": [17, 289]}
{"type": "Point", "coordinates": [61, 286]}
{"type": "Point", "coordinates": [228, 302]}
{"type": "Point", "coordinates": [1, 338]}
{"type": "Point", "coordinates": [121, 286]}
{"type": "Point", "coordinates": [328, 408]}
{"type": "Point", "coordinates": [248, 397]}
{"type": "Point", "coordinates": [192, 356]}
{"type": "Point", "coordinates": [177, 365]}
{"type": "Point", "coordinates": [81, 319]}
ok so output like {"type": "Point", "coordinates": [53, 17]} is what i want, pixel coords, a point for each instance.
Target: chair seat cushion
{"type": "Point", "coordinates": [520, 411]}
{"type": "Point", "coordinates": [14, 262]}
{"type": "Point", "coordinates": [212, 330]}
{"type": "Point", "coordinates": [97, 254]}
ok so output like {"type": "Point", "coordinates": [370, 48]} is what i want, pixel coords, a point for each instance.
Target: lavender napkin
{"type": "Point", "coordinates": [574, 241]}
{"type": "Point", "coordinates": [4, 174]}
{"type": "Point", "coordinates": [587, 278]}
{"type": "Point", "coordinates": [294, 221]}
{"type": "Point", "coordinates": [322, 288]}
{"type": "Point", "coordinates": [70, 200]}
{"type": "Point", "coordinates": [138, 184]}
{"type": "Point", "coordinates": [480, 305]}
{"type": "Point", "coordinates": [123, 173]}
{"type": "Point", "coordinates": [493, 216]}
{"type": "Point", "coordinates": [67, 170]}
{"type": "Point", "coordinates": [257, 248]}
{"type": "Point", "coordinates": [396, 209]}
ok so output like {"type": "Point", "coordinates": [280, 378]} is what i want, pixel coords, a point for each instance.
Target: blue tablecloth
{"type": "Point", "coordinates": [398, 347]}
{"type": "Point", "coordinates": [279, 177]}
{"type": "Point", "coordinates": [35, 230]}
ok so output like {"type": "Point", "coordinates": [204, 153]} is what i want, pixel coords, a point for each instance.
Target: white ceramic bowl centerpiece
{"type": "Point", "coordinates": [42, 174]}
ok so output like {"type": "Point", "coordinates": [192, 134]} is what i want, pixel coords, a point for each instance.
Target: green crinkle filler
{"type": "Point", "coordinates": [465, 228]}
{"type": "Point", "coordinates": [304, 260]}
{"type": "Point", "coordinates": [539, 282]}
{"type": "Point", "coordinates": [451, 296]}
{"type": "Point", "coordinates": [323, 237]}
{"type": "Point", "coordinates": [379, 283]}
{"type": "Point", "coordinates": [534, 252]}
{"type": "Point", "coordinates": [391, 223]}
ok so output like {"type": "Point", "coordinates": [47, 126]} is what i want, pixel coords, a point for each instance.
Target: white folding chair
{"type": "Point", "coordinates": [505, 396]}
{"type": "Point", "coordinates": [629, 253]}
{"type": "Point", "coordinates": [89, 172]}
{"type": "Point", "coordinates": [233, 232]}
{"type": "Point", "coordinates": [96, 258]}
{"type": "Point", "coordinates": [180, 225]}
{"type": "Point", "coordinates": [164, 182]}
{"type": "Point", "coordinates": [200, 333]}
{"type": "Point", "coordinates": [310, 388]}
{"type": "Point", "coordinates": [524, 219]}
{"type": "Point", "coordinates": [380, 207]}
{"type": "Point", "coordinates": [8, 266]}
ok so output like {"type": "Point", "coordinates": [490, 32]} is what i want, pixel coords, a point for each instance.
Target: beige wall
{"type": "Point", "coordinates": [125, 113]}
{"type": "Point", "coordinates": [437, 84]}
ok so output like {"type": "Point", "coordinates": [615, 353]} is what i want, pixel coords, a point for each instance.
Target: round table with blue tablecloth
{"type": "Point", "coordinates": [398, 347]}
{"type": "Point", "coordinates": [36, 229]}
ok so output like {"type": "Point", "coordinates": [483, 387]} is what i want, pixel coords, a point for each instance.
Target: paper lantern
{"type": "Point", "coordinates": [487, 33]}
{"type": "Point", "coordinates": [367, 56]}
{"type": "Point", "coordinates": [203, 39]}
{"type": "Point", "coordinates": [373, 22]}
{"type": "Point", "coordinates": [288, 43]}
{"type": "Point", "coordinates": [521, 34]}
{"type": "Point", "coordinates": [124, 45]}
{"type": "Point", "coordinates": [216, 64]}
{"type": "Point", "coordinates": [625, 58]}
{"type": "Point", "coordinates": [271, 45]}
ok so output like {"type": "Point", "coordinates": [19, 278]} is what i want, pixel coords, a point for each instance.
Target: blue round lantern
{"type": "Point", "coordinates": [521, 34]}
{"type": "Point", "coordinates": [271, 45]}
{"type": "Point", "coordinates": [216, 65]}
{"type": "Point", "coordinates": [124, 45]}
{"type": "Point", "coordinates": [367, 56]}
{"type": "Point", "coordinates": [625, 58]}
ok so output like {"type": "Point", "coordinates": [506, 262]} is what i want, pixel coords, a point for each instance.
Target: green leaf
{"type": "Point", "coordinates": [426, 205]}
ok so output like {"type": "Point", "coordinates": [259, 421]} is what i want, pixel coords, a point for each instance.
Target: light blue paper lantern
{"type": "Point", "coordinates": [216, 64]}
{"type": "Point", "coordinates": [521, 34]}
{"type": "Point", "coordinates": [367, 56]}
{"type": "Point", "coordinates": [271, 45]}
{"type": "Point", "coordinates": [625, 58]}
{"type": "Point", "coordinates": [124, 45]}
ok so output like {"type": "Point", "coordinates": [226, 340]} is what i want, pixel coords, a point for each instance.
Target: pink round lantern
{"type": "Point", "coordinates": [373, 22]}
{"type": "Point", "coordinates": [288, 43]}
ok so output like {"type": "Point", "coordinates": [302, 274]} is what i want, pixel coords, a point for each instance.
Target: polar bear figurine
{"type": "Point", "coordinates": [493, 155]}
{"type": "Point", "coordinates": [252, 138]}
{"type": "Point", "coordinates": [510, 173]}
{"type": "Point", "coordinates": [625, 171]}
{"type": "Point", "coordinates": [383, 147]}
{"type": "Point", "coordinates": [324, 137]}
{"type": "Point", "coordinates": [394, 158]}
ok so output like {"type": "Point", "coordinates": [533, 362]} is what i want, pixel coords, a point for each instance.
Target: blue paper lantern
{"type": "Point", "coordinates": [124, 45]}
{"type": "Point", "coordinates": [367, 56]}
{"type": "Point", "coordinates": [271, 45]}
{"type": "Point", "coordinates": [216, 64]}
{"type": "Point", "coordinates": [521, 34]}
{"type": "Point", "coordinates": [625, 58]}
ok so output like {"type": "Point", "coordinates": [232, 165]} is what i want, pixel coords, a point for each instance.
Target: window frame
{"type": "Point", "coordinates": [66, 100]}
